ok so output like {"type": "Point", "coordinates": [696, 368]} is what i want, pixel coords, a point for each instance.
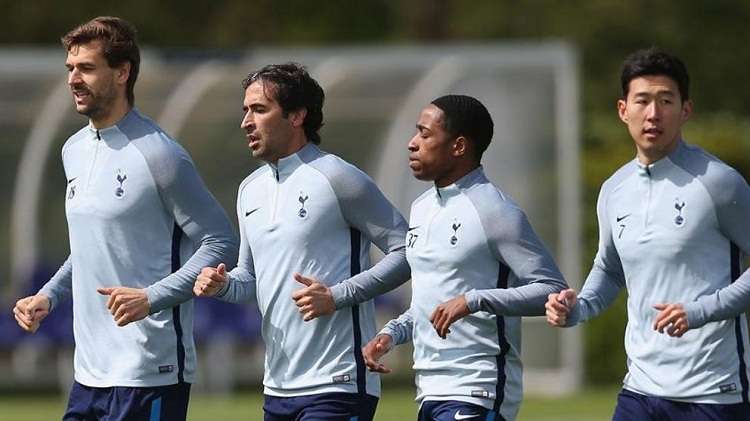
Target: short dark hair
{"type": "Point", "coordinates": [466, 116]}
{"type": "Point", "coordinates": [119, 44]}
{"type": "Point", "coordinates": [655, 62]}
{"type": "Point", "coordinates": [293, 88]}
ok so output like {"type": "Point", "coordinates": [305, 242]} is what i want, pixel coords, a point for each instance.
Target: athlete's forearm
{"type": "Point", "coordinates": [725, 303]}
{"type": "Point", "coordinates": [400, 329]}
{"type": "Point", "coordinates": [240, 287]}
{"type": "Point", "coordinates": [60, 287]}
{"type": "Point", "coordinates": [389, 273]}
{"type": "Point", "coordinates": [599, 292]}
{"type": "Point", "coordinates": [526, 300]}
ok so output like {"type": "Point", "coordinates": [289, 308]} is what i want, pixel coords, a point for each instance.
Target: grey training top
{"type": "Point", "coordinates": [315, 214]}
{"type": "Point", "coordinates": [674, 232]}
{"type": "Point", "coordinates": [470, 239]}
{"type": "Point", "coordinates": [139, 216]}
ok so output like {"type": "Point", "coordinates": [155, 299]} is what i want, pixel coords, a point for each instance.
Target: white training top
{"type": "Point", "coordinates": [139, 216]}
{"type": "Point", "coordinates": [471, 239]}
{"type": "Point", "coordinates": [673, 232]}
{"type": "Point", "coordinates": [315, 214]}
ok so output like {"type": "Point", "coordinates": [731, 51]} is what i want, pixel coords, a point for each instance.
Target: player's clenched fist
{"type": "Point", "coordinates": [559, 305]}
{"type": "Point", "coordinates": [374, 350]}
{"type": "Point", "coordinates": [210, 281]}
{"type": "Point", "coordinates": [314, 300]}
{"type": "Point", "coordinates": [445, 314]}
{"type": "Point", "coordinates": [30, 311]}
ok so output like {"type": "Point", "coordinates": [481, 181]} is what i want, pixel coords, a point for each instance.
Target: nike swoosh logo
{"type": "Point", "coordinates": [249, 212]}
{"type": "Point", "coordinates": [72, 180]}
{"type": "Point", "coordinates": [460, 416]}
{"type": "Point", "coordinates": [620, 218]}
{"type": "Point", "coordinates": [413, 228]}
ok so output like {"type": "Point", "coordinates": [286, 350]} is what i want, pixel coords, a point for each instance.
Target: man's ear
{"type": "Point", "coordinates": [460, 147]}
{"type": "Point", "coordinates": [687, 110]}
{"type": "Point", "coordinates": [122, 73]}
{"type": "Point", "coordinates": [622, 108]}
{"type": "Point", "coordinates": [297, 117]}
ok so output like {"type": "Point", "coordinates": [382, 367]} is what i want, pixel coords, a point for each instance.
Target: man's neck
{"type": "Point", "coordinates": [457, 174]}
{"type": "Point", "coordinates": [293, 149]}
{"type": "Point", "coordinates": [649, 157]}
{"type": "Point", "coordinates": [115, 114]}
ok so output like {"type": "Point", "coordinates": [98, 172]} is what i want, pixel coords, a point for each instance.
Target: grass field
{"type": "Point", "coordinates": [395, 405]}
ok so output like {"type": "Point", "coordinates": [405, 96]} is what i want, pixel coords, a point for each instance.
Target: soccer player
{"type": "Point", "coordinates": [672, 223]}
{"type": "Point", "coordinates": [309, 216]}
{"type": "Point", "coordinates": [476, 266]}
{"type": "Point", "coordinates": [134, 201]}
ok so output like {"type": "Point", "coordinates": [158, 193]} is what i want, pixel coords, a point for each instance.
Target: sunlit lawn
{"type": "Point", "coordinates": [396, 404]}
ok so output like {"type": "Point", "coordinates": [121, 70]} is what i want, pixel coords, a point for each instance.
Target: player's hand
{"type": "Point", "coordinates": [559, 305]}
{"type": "Point", "coordinates": [126, 304]}
{"type": "Point", "coordinates": [210, 281]}
{"type": "Point", "coordinates": [30, 311]}
{"type": "Point", "coordinates": [447, 313]}
{"type": "Point", "coordinates": [374, 350]}
{"type": "Point", "coordinates": [314, 300]}
{"type": "Point", "coordinates": [672, 319]}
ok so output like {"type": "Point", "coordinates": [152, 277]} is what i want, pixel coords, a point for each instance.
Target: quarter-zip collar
{"type": "Point", "coordinates": [107, 132]}
{"type": "Point", "coordinates": [445, 193]}
{"type": "Point", "coordinates": [285, 166]}
{"type": "Point", "coordinates": [659, 168]}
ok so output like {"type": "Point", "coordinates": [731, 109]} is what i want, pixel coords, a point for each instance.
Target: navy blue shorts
{"type": "Point", "coordinates": [322, 407]}
{"type": "Point", "coordinates": [163, 403]}
{"type": "Point", "coordinates": [634, 406]}
{"type": "Point", "coordinates": [455, 410]}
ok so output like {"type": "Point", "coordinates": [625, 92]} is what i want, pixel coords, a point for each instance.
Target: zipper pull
{"type": "Point", "coordinates": [97, 135]}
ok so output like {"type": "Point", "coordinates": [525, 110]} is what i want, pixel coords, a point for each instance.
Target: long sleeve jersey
{"type": "Point", "coordinates": [471, 239]}
{"type": "Point", "coordinates": [315, 214]}
{"type": "Point", "coordinates": [674, 232]}
{"type": "Point", "coordinates": [139, 216]}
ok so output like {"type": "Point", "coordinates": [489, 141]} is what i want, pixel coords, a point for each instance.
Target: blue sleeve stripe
{"type": "Point", "coordinates": [176, 238]}
{"type": "Point", "coordinates": [502, 282]}
{"type": "Point", "coordinates": [355, 268]}
{"type": "Point", "coordinates": [735, 262]}
{"type": "Point", "coordinates": [155, 410]}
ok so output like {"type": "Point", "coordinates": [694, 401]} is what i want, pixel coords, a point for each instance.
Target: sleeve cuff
{"type": "Point", "coordinates": [156, 302]}
{"type": "Point", "coordinates": [473, 301]}
{"type": "Point", "coordinates": [574, 317]}
{"type": "Point", "coordinates": [52, 300]}
{"type": "Point", "coordinates": [695, 316]}
{"type": "Point", "coordinates": [338, 292]}
{"type": "Point", "coordinates": [223, 291]}
{"type": "Point", "coordinates": [390, 332]}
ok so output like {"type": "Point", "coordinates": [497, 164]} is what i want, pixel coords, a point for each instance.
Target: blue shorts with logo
{"type": "Point", "coordinates": [324, 406]}
{"type": "Point", "coordinates": [635, 406]}
{"type": "Point", "coordinates": [162, 403]}
{"type": "Point", "coordinates": [456, 411]}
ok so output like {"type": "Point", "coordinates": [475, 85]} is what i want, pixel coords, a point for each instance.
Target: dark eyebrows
{"type": "Point", "coordinates": [663, 92]}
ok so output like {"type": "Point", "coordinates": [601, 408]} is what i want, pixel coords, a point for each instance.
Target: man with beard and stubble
{"type": "Point", "coordinates": [310, 216]}
{"type": "Point", "coordinates": [142, 225]}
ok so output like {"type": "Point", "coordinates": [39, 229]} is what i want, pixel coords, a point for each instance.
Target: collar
{"type": "Point", "coordinates": [285, 166]}
{"type": "Point", "coordinates": [473, 177]}
{"type": "Point", "coordinates": [659, 167]}
{"type": "Point", "coordinates": [102, 134]}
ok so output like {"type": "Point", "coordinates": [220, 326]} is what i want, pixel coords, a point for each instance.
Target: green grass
{"type": "Point", "coordinates": [397, 404]}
